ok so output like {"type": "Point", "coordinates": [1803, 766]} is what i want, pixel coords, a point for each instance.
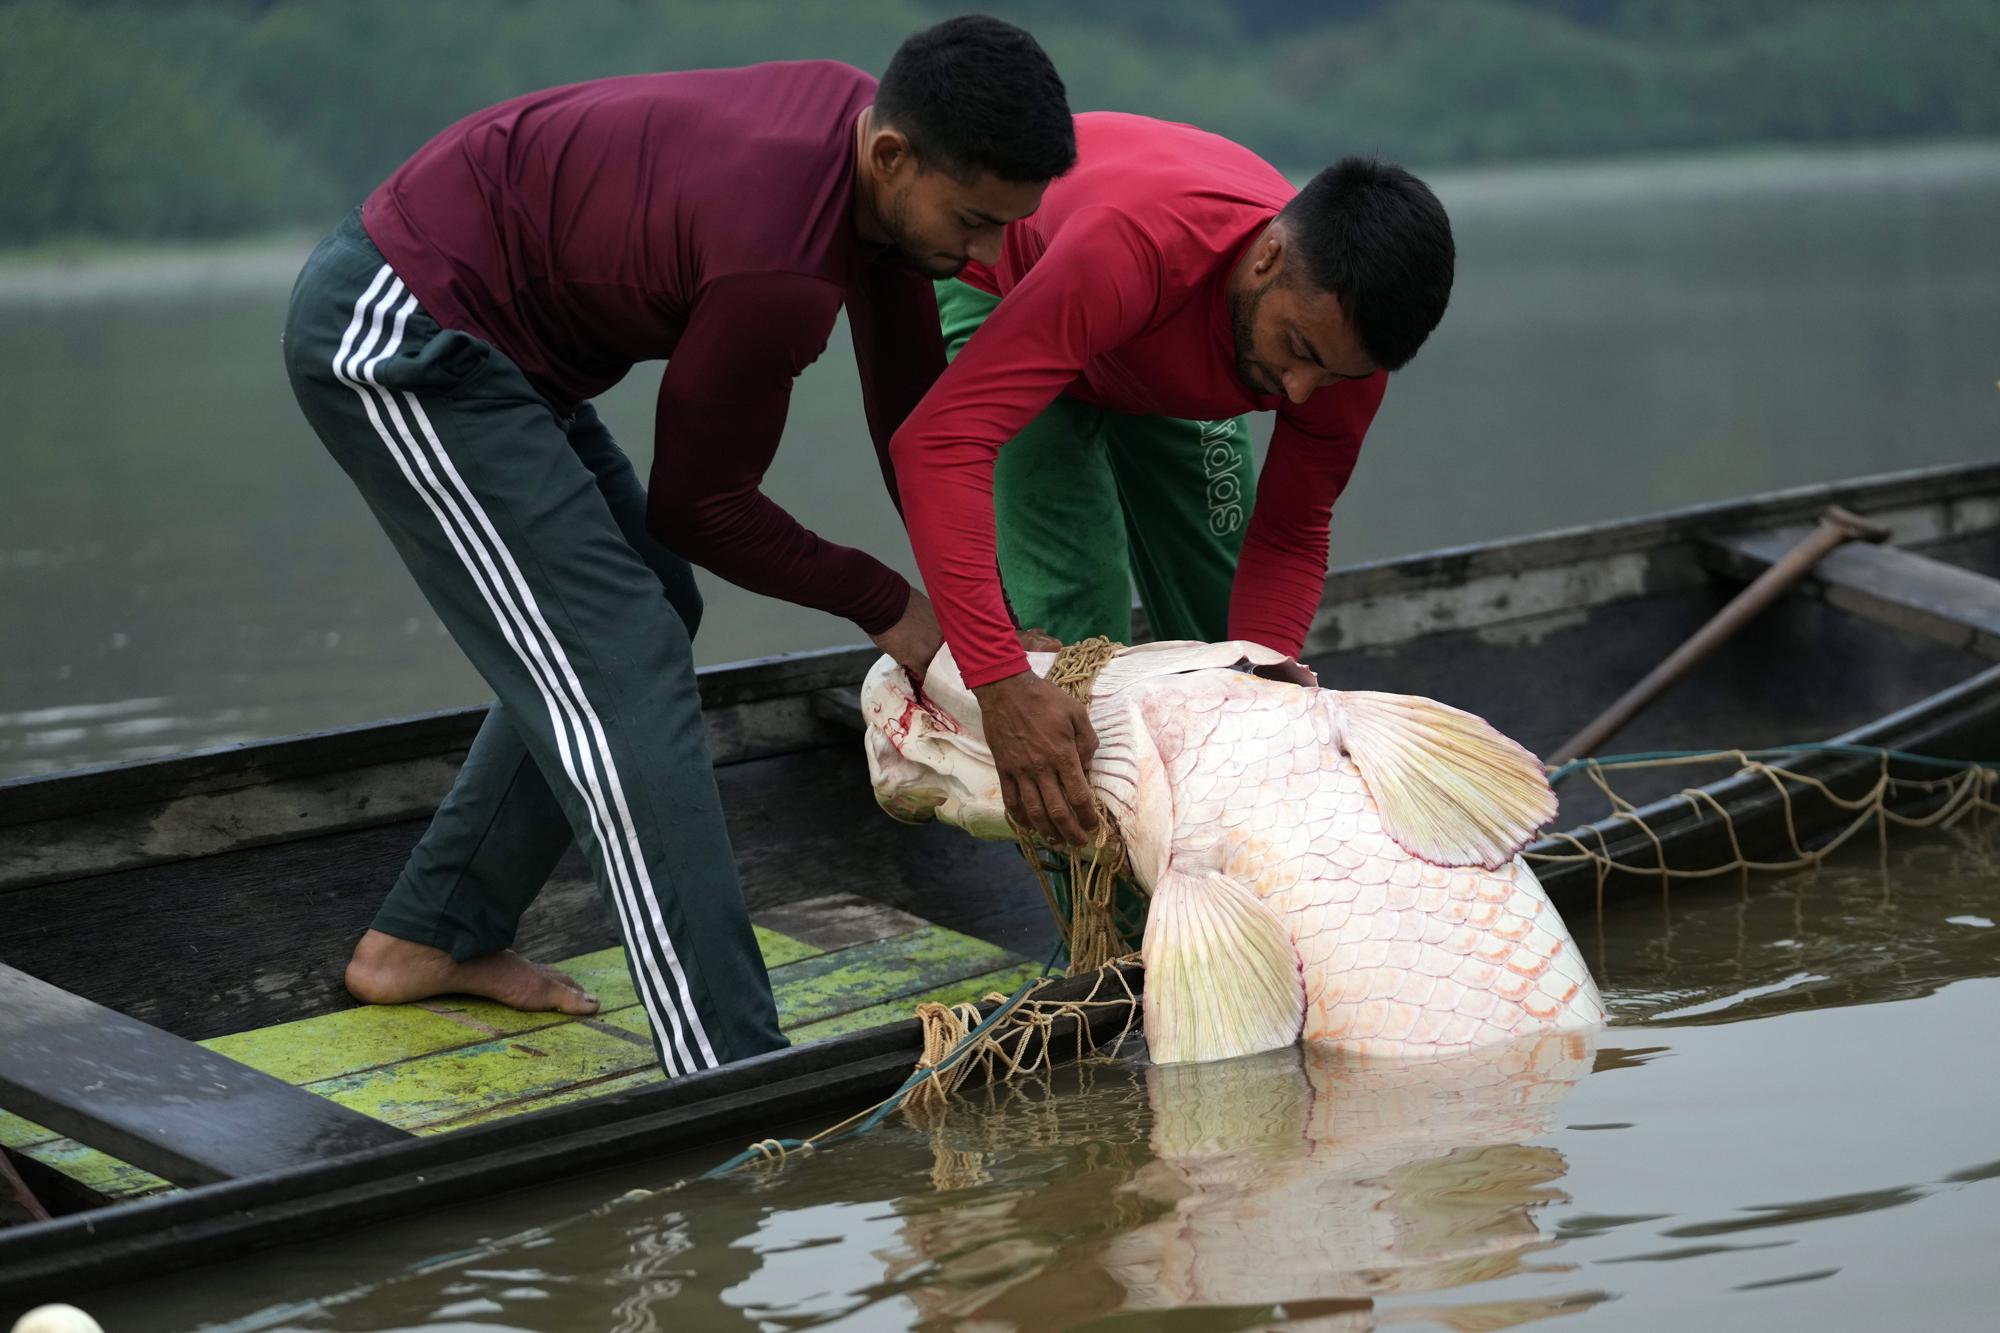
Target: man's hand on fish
{"type": "Point", "coordinates": [1039, 641]}
{"type": "Point", "coordinates": [915, 639]}
{"type": "Point", "coordinates": [1042, 743]}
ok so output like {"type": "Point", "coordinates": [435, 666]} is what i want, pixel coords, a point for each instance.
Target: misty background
{"type": "Point", "coordinates": [1707, 248]}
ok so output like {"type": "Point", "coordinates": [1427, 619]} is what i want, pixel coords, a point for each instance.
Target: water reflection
{"type": "Point", "coordinates": [1789, 1125]}
{"type": "Point", "coordinates": [1299, 1179]}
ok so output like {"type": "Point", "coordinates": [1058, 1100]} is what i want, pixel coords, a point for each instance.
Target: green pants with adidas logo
{"type": "Point", "coordinates": [1090, 502]}
{"type": "Point", "coordinates": [525, 527]}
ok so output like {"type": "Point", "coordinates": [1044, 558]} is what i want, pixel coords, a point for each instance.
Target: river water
{"type": "Point", "coordinates": [181, 564]}
{"type": "Point", "coordinates": [1792, 1122]}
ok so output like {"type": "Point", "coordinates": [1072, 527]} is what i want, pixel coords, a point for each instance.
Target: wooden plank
{"type": "Point", "coordinates": [450, 1084]}
{"type": "Point", "coordinates": [99, 1173]}
{"type": "Point", "coordinates": [328, 1045]}
{"type": "Point", "coordinates": [154, 1100]}
{"type": "Point", "coordinates": [779, 679]}
{"type": "Point", "coordinates": [1005, 980]}
{"type": "Point", "coordinates": [868, 974]}
{"type": "Point", "coordinates": [1896, 587]}
{"type": "Point", "coordinates": [650, 1074]}
{"type": "Point", "coordinates": [838, 921]}
{"type": "Point", "coordinates": [258, 803]}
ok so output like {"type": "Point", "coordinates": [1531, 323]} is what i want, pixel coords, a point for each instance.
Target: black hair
{"type": "Point", "coordinates": [975, 95]}
{"type": "Point", "coordinates": [1377, 238]}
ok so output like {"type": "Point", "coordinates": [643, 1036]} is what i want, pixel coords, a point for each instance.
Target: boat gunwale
{"type": "Point", "coordinates": [97, 788]}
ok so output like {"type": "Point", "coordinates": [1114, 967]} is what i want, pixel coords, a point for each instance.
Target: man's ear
{"type": "Point", "coordinates": [888, 151]}
{"type": "Point", "coordinates": [1270, 260]}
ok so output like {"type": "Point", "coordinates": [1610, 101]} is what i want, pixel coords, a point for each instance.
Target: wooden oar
{"type": "Point", "coordinates": [1836, 527]}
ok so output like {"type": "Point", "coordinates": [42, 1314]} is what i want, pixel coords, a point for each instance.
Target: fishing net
{"type": "Point", "coordinates": [1022, 1036]}
{"type": "Point", "coordinates": [1100, 910]}
{"type": "Point", "coordinates": [1961, 790]}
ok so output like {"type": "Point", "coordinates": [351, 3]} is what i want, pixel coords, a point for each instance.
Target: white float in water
{"type": "Point", "coordinates": [57, 1319]}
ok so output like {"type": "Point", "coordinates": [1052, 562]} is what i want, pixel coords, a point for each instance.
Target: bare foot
{"type": "Point", "coordinates": [386, 970]}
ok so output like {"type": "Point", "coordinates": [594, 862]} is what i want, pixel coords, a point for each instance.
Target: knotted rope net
{"type": "Point", "coordinates": [1018, 1038]}
{"type": "Point", "coordinates": [1081, 884]}
{"type": "Point", "coordinates": [1965, 789]}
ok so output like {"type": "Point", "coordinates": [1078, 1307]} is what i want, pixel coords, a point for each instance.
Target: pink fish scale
{"type": "Point", "coordinates": [1398, 955]}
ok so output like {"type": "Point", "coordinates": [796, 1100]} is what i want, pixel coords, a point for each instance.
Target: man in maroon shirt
{"type": "Point", "coordinates": [1171, 281]}
{"type": "Point", "coordinates": [445, 342]}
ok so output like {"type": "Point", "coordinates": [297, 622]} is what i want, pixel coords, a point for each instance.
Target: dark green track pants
{"type": "Point", "coordinates": [526, 531]}
{"type": "Point", "coordinates": [1090, 501]}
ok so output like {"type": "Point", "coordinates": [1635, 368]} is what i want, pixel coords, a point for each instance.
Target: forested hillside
{"type": "Point", "coordinates": [129, 118]}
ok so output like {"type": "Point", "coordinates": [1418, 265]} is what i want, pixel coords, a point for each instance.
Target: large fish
{"type": "Point", "coordinates": [1334, 866]}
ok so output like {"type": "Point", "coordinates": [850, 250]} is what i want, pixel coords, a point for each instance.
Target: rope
{"type": "Point", "coordinates": [1967, 790]}
{"type": "Point", "coordinates": [1088, 921]}
{"type": "Point", "coordinates": [1017, 1038]}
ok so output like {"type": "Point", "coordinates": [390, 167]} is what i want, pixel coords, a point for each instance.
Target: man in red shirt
{"type": "Point", "coordinates": [1170, 282]}
{"type": "Point", "coordinates": [445, 342]}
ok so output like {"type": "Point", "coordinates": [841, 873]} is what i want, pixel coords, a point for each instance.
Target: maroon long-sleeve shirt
{"type": "Point", "coordinates": [701, 217]}
{"type": "Point", "coordinates": [1116, 292]}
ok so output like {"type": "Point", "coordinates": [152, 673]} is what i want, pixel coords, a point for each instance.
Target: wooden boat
{"type": "Point", "coordinates": [170, 928]}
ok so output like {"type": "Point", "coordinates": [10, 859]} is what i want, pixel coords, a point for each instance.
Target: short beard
{"type": "Point", "coordinates": [896, 222]}
{"type": "Point", "coordinates": [1242, 316]}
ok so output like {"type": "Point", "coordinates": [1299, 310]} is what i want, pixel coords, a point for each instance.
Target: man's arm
{"type": "Point", "coordinates": [722, 409]}
{"type": "Point", "coordinates": [1096, 287]}
{"type": "Point", "coordinates": [898, 350]}
{"type": "Point", "coordinates": [1281, 573]}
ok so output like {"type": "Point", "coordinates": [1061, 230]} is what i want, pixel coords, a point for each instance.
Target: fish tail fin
{"type": "Point", "coordinates": [1449, 787]}
{"type": "Point", "coordinates": [1222, 977]}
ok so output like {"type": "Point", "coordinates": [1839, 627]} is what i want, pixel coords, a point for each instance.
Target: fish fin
{"type": "Point", "coordinates": [1448, 786]}
{"type": "Point", "coordinates": [1222, 977]}
{"type": "Point", "coordinates": [1128, 773]}
{"type": "Point", "coordinates": [1175, 657]}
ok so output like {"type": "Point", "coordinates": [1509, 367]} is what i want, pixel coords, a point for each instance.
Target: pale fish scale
{"type": "Point", "coordinates": [1415, 989]}
{"type": "Point", "coordinates": [1398, 955]}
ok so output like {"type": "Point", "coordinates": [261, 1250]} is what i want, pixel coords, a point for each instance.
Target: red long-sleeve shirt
{"type": "Point", "coordinates": [1116, 292]}
{"type": "Point", "coordinates": [701, 217]}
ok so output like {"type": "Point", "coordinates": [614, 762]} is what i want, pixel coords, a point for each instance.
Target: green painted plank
{"type": "Point", "coordinates": [328, 1045]}
{"type": "Point", "coordinates": [639, 1078]}
{"type": "Point", "coordinates": [779, 950]}
{"type": "Point", "coordinates": [830, 984]}
{"type": "Point", "coordinates": [604, 974]}
{"type": "Point", "coordinates": [16, 1132]}
{"type": "Point", "coordinates": [98, 1171]}
{"type": "Point", "coordinates": [449, 1084]}
{"type": "Point", "coordinates": [869, 974]}
{"type": "Point", "coordinates": [1006, 981]}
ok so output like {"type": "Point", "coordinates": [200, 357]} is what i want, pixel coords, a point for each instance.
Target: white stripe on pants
{"type": "Point", "coordinates": [579, 734]}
